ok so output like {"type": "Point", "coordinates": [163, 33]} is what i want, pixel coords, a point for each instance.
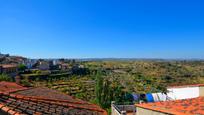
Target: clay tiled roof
{"type": "Point", "coordinates": [8, 65]}
{"type": "Point", "coordinates": [44, 101]}
{"type": "Point", "coordinates": [193, 106]}
{"type": "Point", "coordinates": [49, 94]}
{"type": "Point", "coordinates": [10, 87]}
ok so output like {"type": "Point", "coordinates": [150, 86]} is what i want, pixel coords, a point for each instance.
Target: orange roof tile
{"type": "Point", "coordinates": [10, 87]}
{"type": "Point", "coordinates": [193, 106]}
{"type": "Point", "coordinates": [42, 101]}
{"type": "Point", "coordinates": [8, 65]}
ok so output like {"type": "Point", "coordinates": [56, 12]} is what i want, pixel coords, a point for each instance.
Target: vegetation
{"type": "Point", "coordinates": [25, 83]}
{"type": "Point", "coordinates": [80, 87]}
{"type": "Point", "coordinates": [107, 91]}
{"type": "Point", "coordinates": [105, 81]}
{"type": "Point", "coordinates": [4, 77]}
{"type": "Point", "coordinates": [22, 67]}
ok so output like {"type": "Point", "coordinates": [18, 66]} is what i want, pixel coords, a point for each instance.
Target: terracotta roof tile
{"type": "Point", "coordinates": [10, 87]}
{"type": "Point", "coordinates": [42, 101]}
{"type": "Point", "coordinates": [8, 65]}
{"type": "Point", "coordinates": [45, 93]}
{"type": "Point", "coordinates": [193, 106]}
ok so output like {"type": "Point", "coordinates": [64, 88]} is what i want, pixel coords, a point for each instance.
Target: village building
{"type": "Point", "coordinates": [194, 106]}
{"type": "Point", "coordinates": [186, 100]}
{"type": "Point", "coordinates": [64, 66]}
{"type": "Point", "coordinates": [179, 100]}
{"type": "Point", "coordinates": [10, 69]}
{"type": "Point", "coordinates": [29, 63]}
{"type": "Point", "coordinates": [42, 65]}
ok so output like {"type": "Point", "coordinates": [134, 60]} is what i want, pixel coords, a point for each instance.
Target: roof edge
{"type": "Point", "coordinates": [160, 110]}
{"type": "Point", "coordinates": [54, 101]}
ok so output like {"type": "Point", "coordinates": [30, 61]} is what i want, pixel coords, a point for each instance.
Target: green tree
{"type": "Point", "coordinates": [107, 91]}
{"type": "Point", "coordinates": [99, 88]}
{"type": "Point", "coordinates": [22, 67]}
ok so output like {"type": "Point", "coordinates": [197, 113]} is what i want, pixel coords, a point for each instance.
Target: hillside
{"type": "Point", "coordinates": [129, 76]}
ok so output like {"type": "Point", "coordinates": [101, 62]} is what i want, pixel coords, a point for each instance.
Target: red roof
{"type": "Point", "coordinates": [179, 107]}
{"type": "Point", "coordinates": [7, 87]}
{"type": "Point", "coordinates": [41, 101]}
{"type": "Point", "coordinates": [8, 65]}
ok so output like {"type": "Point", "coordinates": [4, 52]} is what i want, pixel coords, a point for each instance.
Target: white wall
{"type": "Point", "coordinates": [141, 111]}
{"type": "Point", "coordinates": [183, 93]}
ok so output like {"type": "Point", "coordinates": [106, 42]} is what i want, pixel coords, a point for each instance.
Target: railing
{"type": "Point", "coordinates": [118, 109]}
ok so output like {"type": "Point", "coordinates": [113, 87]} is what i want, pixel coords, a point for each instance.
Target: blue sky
{"type": "Point", "coordinates": [102, 28]}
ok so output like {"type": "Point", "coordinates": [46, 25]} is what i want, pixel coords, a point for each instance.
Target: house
{"type": "Point", "coordinates": [55, 62]}
{"type": "Point", "coordinates": [3, 55]}
{"type": "Point", "coordinates": [189, 100]}
{"type": "Point", "coordinates": [18, 59]}
{"type": "Point", "coordinates": [29, 63]}
{"type": "Point", "coordinates": [42, 65]}
{"type": "Point", "coordinates": [64, 66]}
{"type": "Point", "coordinates": [79, 69]}
{"type": "Point", "coordinates": [19, 100]}
{"type": "Point", "coordinates": [192, 106]}
{"type": "Point", "coordinates": [7, 59]}
{"type": "Point", "coordinates": [54, 65]}
{"type": "Point", "coordinates": [179, 100]}
{"type": "Point", "coordinates": [10, 69]}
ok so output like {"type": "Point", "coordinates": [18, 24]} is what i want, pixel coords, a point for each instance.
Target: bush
{"type": "Point", "coordinates": [4, 77]}
{"type": "Point", "coordinates": [26, 83]}
{"type": "Point", "coordinates": [22, 67]}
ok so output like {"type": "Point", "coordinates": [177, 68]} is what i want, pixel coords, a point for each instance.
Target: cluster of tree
{"type": "Point", "coordinates": [22, 67]}
{"type": "Point", "coordinates": [5, 77]}
{"type": "Point", "coordinates": [114, 80]}
{"type": "Point", "coordinates": [118, 87]}
{"type": "Point", "coordinates": [107, 91]}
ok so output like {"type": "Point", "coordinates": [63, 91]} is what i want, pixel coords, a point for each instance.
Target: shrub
{"type": "Point", "coordinates": [4, 77]}
{"type": "Point", "coordinates": [22, 67]}
{"type": "Point", "coordinates": [26, 83]}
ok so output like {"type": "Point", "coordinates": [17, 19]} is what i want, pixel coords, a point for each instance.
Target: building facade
{"type": "Point", "coordinates": [10, 69]}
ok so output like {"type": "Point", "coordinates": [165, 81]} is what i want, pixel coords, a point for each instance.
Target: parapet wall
{"type": "Point", "coordinates": [188, 91]}
{"type": "Point", "coordinates": [142, 111]}
{"type": "Point", "coordinates": [201, 90]}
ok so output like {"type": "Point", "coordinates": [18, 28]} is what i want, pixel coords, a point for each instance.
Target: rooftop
{"type": "Point", "coordinates": [7, 87]}
{"type": "Point", "coordinates": [8, 65]}
{"type": "Point", "coordinates": [42, 101]}
{"type": "Point", "coordinates": [193, 106]}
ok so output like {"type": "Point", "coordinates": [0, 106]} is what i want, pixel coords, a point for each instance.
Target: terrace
{"type": "Point", "coordinates": [182, 100]}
